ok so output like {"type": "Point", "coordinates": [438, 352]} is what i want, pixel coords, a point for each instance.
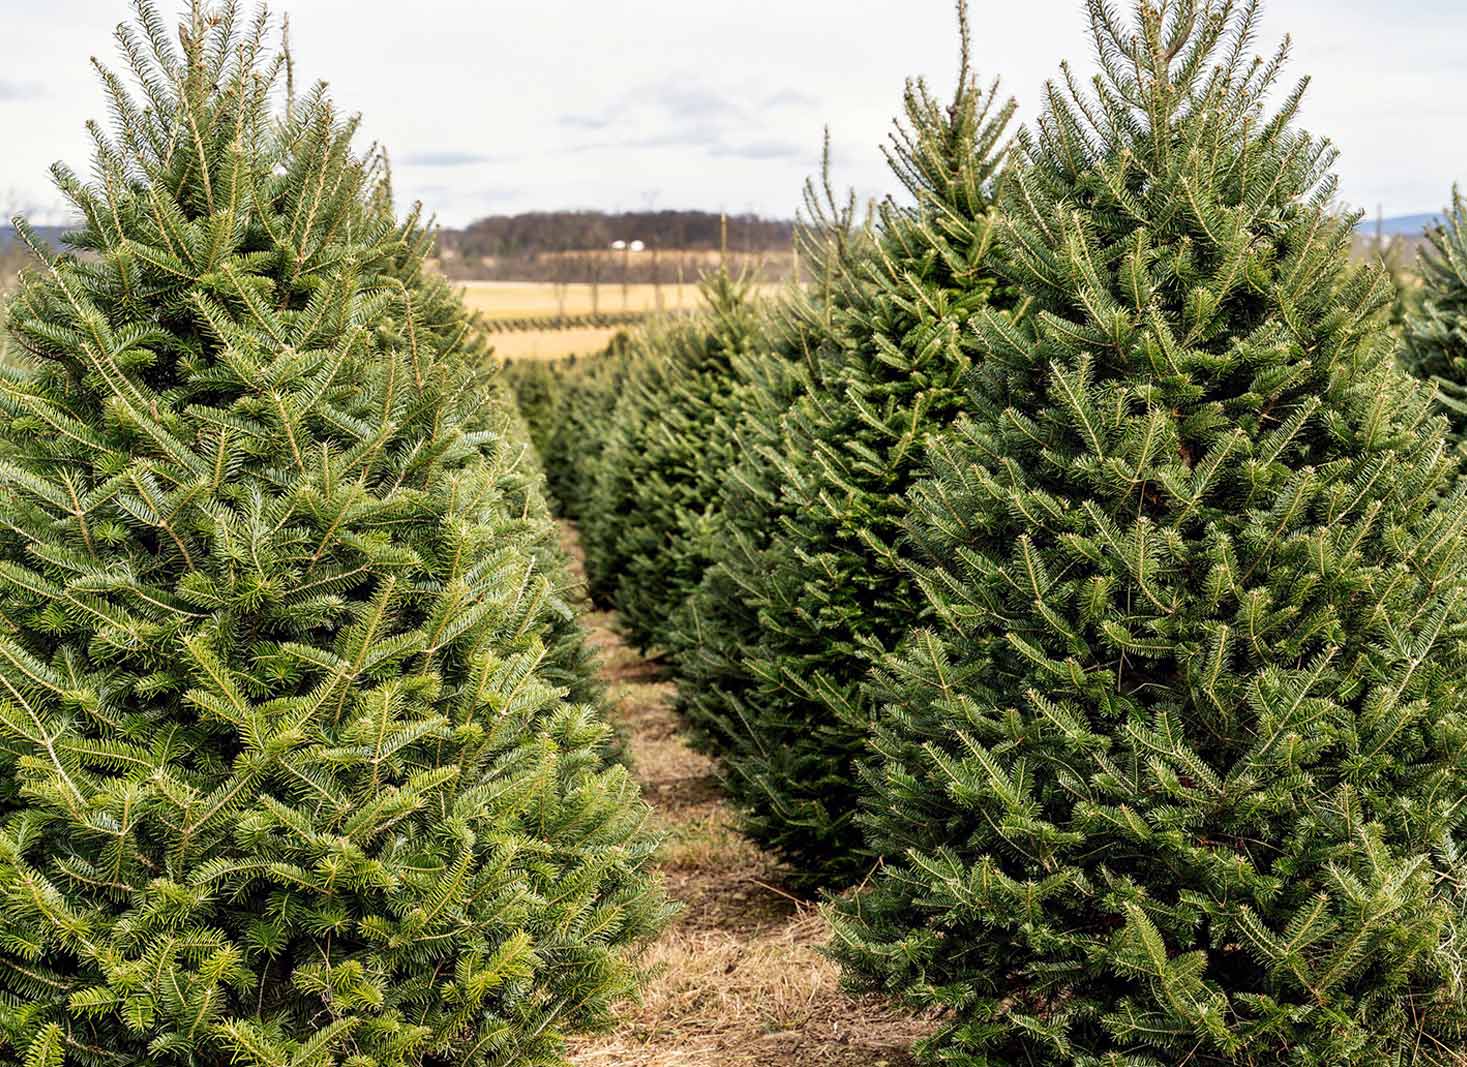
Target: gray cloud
{"type": "Point", "coordinates": [695, 118]}
{"type": "Point", "coordinates": [445, 159]}
{"type": "Point", "coordinates": [501, 192]}
{"type": "Point", "coordinates": [694, 138]}
{"type": "Point", "coordinates": [695, 102]}
{"type": "Point", "coordinates": [585, 122]}
{"type": "Point", "coordinates": [675, 103]}
{"type": "Point", "coordinates": [792, 99]}
{"type": "Point", "coordinates": [11, 90]}
{"type": "Point", "coordinates": [640, 144]}
{"type": "Point", "coordinates": [763, 150]}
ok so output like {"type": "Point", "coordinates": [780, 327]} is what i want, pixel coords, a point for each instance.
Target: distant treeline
{"type": "Point", "coordinates": [540, 232]}
{"type": "Point", "coordinates": [14, 255]}
{"type": "Point", "coordinates": [50, 234]}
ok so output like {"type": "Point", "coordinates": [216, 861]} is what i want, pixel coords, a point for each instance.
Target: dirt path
{"type": "Point", "coordinates": [739, 980]}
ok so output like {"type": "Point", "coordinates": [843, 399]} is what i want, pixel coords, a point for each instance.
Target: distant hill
{"type": "Point", "coordinates": [1400, 226]}
{"type": "Point", "coordinates": [50, 234]}
{"type": "Point", "coordinates": [550, 232]}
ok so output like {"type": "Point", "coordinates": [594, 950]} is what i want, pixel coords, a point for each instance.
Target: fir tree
{"type": "Point", "coordinates": [1435, 347]}
{"type": "Point", "coordinates": [1179, 772]}
{"type": "Point", "coordinates": [570, 663]}
{"type": "Point", "coordinates": [1398, 263]}
{"type": "Point", "coordinates": [819, 563]}
{"type": "Point", "coordinates": [721, 618]}
{"type": "Point", "coordinates": [283, 775]}
{"type": "Point", "coordinates": [657, 474]}
{"type": "Point", "coordinates": [589, 389]}
{"type": "Point", "coordinates": [443, 325]}
{"type": "Point", "coordinates": [537, 385]}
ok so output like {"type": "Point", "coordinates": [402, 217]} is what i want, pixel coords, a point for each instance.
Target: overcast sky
{"type": "Point", "coordinates": [492, 106]}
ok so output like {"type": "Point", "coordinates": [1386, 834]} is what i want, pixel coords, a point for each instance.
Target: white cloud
{"type": "Point", "coordinates": [496, 106]}
{"type": "Point", "coordinates": [13, 90]}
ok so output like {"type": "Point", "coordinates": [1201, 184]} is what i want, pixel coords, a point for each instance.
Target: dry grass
{"type": "Point", "coordinates": [514, 300]}
{"type": "Point", "coordinates": [739, 980]}
{"type": "Point", "coordinates": [553, 344]}
{"type": "Point", "coordinates": [539, 300]}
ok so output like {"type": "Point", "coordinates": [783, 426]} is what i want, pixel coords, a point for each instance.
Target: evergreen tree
{"type": "Point", "coordinates": [886, 346]}
{"type": "Point", "coordinates": [588, 393]}
{"type": "Point", "coordinates": [720, 618]}
{"type": "Point", "coordinates": [1396, 261]}
{"type": "Point", "coordinates": [1179, 772]}
{"type": "Point", "coordinates": [537, 385]}
{"type": "Point", "coordinates": [283, 775]}
{"type": "Point", "coordinates": [658, 471]}
{"type": "Point", "coordinates": [443, 325]}
{"type": "Point", "coordinates": [571, 664]}
{"type": "Point", "coordinates": [1435, 347]}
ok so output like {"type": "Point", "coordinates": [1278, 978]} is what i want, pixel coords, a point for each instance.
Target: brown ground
{"type": "Point", "coordinates": [738, 978]}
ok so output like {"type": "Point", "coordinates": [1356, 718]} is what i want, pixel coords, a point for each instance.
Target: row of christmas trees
{"type": "Point", "coordinates": [1073, 570]}
{"type": "Point", "coordinates": [302, 759]}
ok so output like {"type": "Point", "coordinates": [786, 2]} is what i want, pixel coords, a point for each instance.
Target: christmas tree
{"type": "Point", "coordinates": [1176, 775]}
{"type": "Point", "coordinates": [588, 391]}
{"type": "Point", "coordinates": [721, 618]}
{"type": "Point", "coordinates": [1436, 324]}
{"type": "Point", "coordinates": [285, 775]}
{"type": "Point", "coordinates": [812, 535]}
{"type": "Point", "coordinates": [659, 468]}
{"type": "Point", "coordinates": [537, 386]}
{"type": "Point", "coordinates": [570, 665]}
{"type": "Point", "coordinates": [445, 326]}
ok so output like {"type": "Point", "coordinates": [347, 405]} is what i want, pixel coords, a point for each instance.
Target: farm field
{"type": "Point", "coordinates": [548, 345]}
{"type": "Point", "coordinates": [511, 303]}
{"type": "Point", "coordinates": [513, 300]}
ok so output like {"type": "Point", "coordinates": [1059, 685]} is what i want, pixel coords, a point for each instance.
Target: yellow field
{"type": "Point", "coordinates": [513, 300]}
{"type": "Point", "coordinates": [552, 344]}
{"type": "Point", "coordinates": [523, 300]}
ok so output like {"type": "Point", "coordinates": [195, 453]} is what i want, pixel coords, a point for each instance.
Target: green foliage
{"type": "Point", "coordinates": [1435, 347]}
{"type": "Point", "coordinates": [1179, 770]}
{"type": "Point", "coordinates": [810, 535]}
{"type": "Point", "coordinates": [1406, 287]}
{"type": "Point", "coordinates": [574, 430]}
{"type": "Point", "coordinates": [661, 463]}
{"type": "Point", "coordinates": [287, 771]}
{"type": "Point", "coordinates": [716, 621]}
{"type": "Point", "coordinates": [537, 388]}
{"type": "Point", "coordinates": [441, 319]}
{"type": "Point", "coordinates": [570, 663]}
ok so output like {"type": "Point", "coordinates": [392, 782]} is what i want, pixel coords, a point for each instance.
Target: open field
{"type": "Point", "coordinates": [553, 344]}
{"type": "Point", "coordinates": [499, 301]}
{"type": "Point", "coordinates": [505, 302]}
{"type": "Point", "coordinates": [514, 300]}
